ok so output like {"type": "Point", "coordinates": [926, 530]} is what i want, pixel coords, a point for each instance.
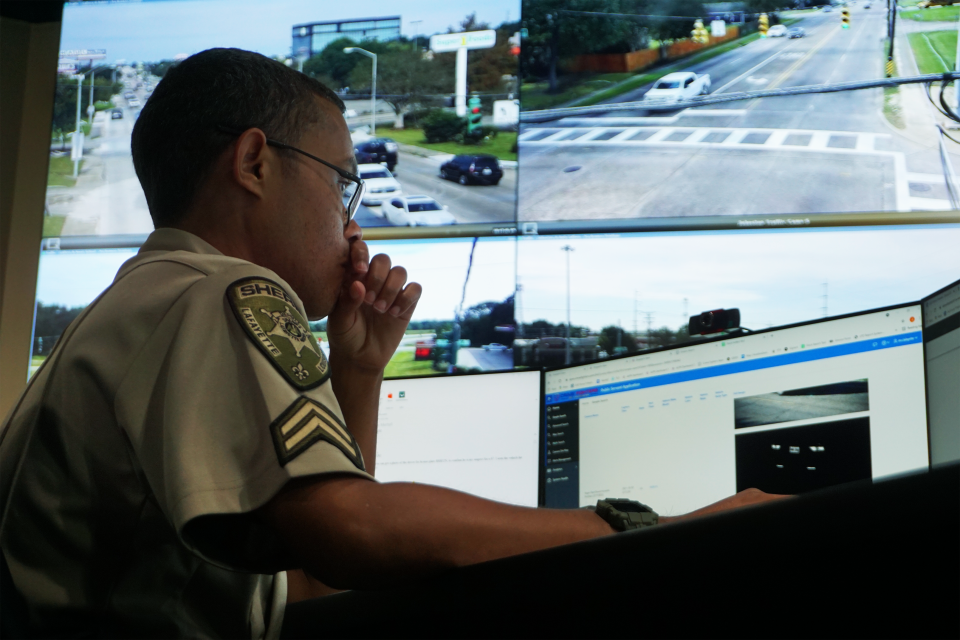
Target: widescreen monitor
{"type": "Point", "coordinates": [627, 160]}
{"type": "Point", "coordinates": [478, 434]}
{"type": "Point", "coordinates": [941, 341]}
{"type": "Point", "coordinates": [462, 182]}
{"type": "Point", "coordinates": [787, 411]}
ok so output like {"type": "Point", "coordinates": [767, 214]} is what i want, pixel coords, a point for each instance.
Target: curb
{"type": "Point", "coordinates": [440, 157]}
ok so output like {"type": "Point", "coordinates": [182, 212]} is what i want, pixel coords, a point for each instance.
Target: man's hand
{"type": "Point", "coordinates": [374, 309]}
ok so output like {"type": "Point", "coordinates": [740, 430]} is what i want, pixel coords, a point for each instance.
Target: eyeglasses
{"type": "Point", "coordinates": [358, 192]}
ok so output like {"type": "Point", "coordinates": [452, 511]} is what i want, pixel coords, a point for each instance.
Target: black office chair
{"type": "Point", "coordinates": [13, 606]}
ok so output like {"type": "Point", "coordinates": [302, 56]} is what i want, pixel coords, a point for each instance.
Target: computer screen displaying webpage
{"type": "Point", "coordinates": [786, 411]}
{"type": "Point", "coordinates": [478, 434]}
{"type": "Point", "coordinates": [941, 333]}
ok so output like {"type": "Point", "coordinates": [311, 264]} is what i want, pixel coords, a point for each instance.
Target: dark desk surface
{"type": "Point", "coordinates": [866, 560]}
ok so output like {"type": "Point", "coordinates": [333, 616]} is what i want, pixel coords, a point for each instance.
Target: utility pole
{"type": "Point", "coordinates": [567, 249]}
{"type": "Point", "coordinates": [824, 299]}
{"type": "Point", "coordinates": [635, 329]}
{"type": "Point", "coordinates": [90, 109]}
{"type": "Point", "coordinates": [78, 134]}
{"type": "Point", "coordinates": [517, 315]}
{"type": "Point", "coordinates": [373, 86]}
{"type": "Point", "coordinates": [649, 328]}
{"type": "Point", "coordinates": [686, 316]}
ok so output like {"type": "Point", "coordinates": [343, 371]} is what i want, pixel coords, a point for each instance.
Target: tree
{"type": "Point", "coordinates": [555, 31]}
{"type": "Point", "coordinates": [159, 69]}
{"type": "Point", "coordinates": [65, 98]}
{"type": "Point", "coordinates": [544, 329]}
{"type": "Point", "coordinates": [404, 77]}
{"type": "Point", "coordinates": [613, 336]}
{"type": "Point", "coordinates": [665, 337]}
{"type": "Point", "coordinates": [764, 6]}
{"type": "Point", "coordinates": [670, 29]}
{"type": "Point", "coordinates": [51, 321]}
{"type": "Point", "coordinates": [332, 66]}
{"type": "Point", "coordinates": [480, 321]}
{"type": "Point", "coordinates": [487, 67]}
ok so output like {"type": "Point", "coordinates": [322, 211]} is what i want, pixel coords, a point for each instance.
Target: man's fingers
{"type": "Point", "coordinates": [391, 287]}
{"type": "Point", "coordinates": [376, 276]}
{"type": "Point", "coordinates": [359, 257]}
{"type": "Point", "coordinates": [405, 304]}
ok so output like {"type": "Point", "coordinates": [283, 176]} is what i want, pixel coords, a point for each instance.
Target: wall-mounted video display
{"type": "Point", "coordinates": [871, 156]}
{"type": "Point", "coordinates": [434, 139]}
{"type": "Point", "coordinates": [631, 291]}
{"type": "Point", "coordinates": [464, 322]}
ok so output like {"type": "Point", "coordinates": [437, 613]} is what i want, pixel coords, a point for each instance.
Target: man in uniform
{"type": "Point", "coordinates": [187, 447]}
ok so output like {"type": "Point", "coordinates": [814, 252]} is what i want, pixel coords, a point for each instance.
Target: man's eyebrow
{"type": "Point", "coordinates": [349, 165]}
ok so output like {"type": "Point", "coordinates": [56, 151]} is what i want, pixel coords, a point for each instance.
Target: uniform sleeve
{"type": "Point", "coordinates": [228, 400]}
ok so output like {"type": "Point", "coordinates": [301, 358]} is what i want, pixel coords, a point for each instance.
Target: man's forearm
{"type": "Point", "coordinates": [358, 392]}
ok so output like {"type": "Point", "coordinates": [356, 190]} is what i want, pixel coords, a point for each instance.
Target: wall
{"type": "Point", "coordinates": [626, 62]}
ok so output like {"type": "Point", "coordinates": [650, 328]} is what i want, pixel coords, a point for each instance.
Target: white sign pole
{"type": "Point", "coordinates": [461, 43]}
{"type": "Point", "coordinates": [461, 82]}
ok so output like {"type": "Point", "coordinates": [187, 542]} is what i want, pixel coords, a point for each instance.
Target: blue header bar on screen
{"type": "Point", "coordinates": [740, 366]}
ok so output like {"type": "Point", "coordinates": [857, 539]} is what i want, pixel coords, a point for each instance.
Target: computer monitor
{"type": "Point", "coordinates": [941, 341]}
{"type": "Point", "coordinates": [476, 433]}
{"type": "Point", "coordinates": [786, 410]}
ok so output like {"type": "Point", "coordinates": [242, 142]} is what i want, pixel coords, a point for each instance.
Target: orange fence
{"type": "Point", "coordinates": [626, 62]}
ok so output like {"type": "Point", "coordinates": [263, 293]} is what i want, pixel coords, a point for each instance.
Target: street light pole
{"type": "Point", "coordinates": [78, 134]}
{"type": "Point", "coordinates": [90, 108]}
{"type": "Point", "coordinates": [373, 86]}
{"type": "Point", "coordinates": [415, 30]}
{"type": "Point", "coordinates": [567, 249]}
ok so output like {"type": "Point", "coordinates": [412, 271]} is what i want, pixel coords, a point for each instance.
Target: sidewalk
{"type": "Point", "coordinates": [439, 157]}
{"type": "Point", "coordinates": [919, 116]}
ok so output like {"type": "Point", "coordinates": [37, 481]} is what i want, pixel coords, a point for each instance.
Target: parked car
{"type": "Point", "coordinates": [494, 346]}
{"type": "Point", "coordinates": [382, 150]}
{"type": "Point", "coordinates": [675, 87]}
{"type": "Point", "coordinates": [116, 114]}
{"type": "Point", "coordinates": [412, 211]}
{"type": "Point", "coordinates": [777, 31]}
{"type": "Point", "coordinates": [380, 184]}
{"type": "Point", "coordinates": [133, 102]}
{"type": "Point", "coordinates": [472, 169]}
{"type": "Point", "coordinates": [796, 32]}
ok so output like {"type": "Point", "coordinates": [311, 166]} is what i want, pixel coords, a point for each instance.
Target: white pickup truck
{"type": "Point", "coordinates": [675, 87]}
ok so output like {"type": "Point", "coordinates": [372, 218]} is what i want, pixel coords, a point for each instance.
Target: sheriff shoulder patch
{"type": "Point", "coordinates": [272, 321]}
{"type": "Point", "coordinates": [304, 423]}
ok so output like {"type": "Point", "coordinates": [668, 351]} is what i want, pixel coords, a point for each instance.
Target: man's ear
{"type": "Point", "coordinates": [253, 161]}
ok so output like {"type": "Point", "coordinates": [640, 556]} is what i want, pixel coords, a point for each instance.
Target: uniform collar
{"type": "Point", "coordinates": [169, 239]}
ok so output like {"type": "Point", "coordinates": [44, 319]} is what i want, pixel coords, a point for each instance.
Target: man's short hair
{"type": "Point", "coordinates": [176, 140]}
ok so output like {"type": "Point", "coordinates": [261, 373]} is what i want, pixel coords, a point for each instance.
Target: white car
{"type": "Point", "coordinates": [133, 102]}
{"type": "Point", "coordinates": [413, 211]}
{"type": "Point", "coordinates": [675, 87]}
{"type": "Point", "coordinates": [381, 184]}
{"type": "Point", "coordinates": [494, 346]}
{"type": "Point", "coordinates": [777, 31]}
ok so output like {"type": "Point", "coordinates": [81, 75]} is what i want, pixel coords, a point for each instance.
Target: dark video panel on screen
{"type": "Point", "coordinates": [796, 460]}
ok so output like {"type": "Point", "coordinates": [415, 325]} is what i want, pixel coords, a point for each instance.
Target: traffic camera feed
{"type": "Point", "coordinates": [601, 148]}
{"type": "Point", "coordinates": [464, 322]}
{"type": "Point", "coordinates": [423, 83]}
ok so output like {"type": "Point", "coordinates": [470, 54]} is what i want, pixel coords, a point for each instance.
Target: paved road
{"type": "Point", "coordinates": [772, 408]}
{"type": "Point", "coordinates": [827, 153]}
{"type": "Point", "coordinates": [420, 175]}
{"type": "Point", "coordinates": [485, 360]}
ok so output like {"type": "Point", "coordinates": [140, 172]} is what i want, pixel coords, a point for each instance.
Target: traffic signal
{"type": "Point", "coordinates": [699, 33]}
{"type": "Point", "coordinates": [845, 18]}
{"type": "Point", "coordinates": [764, 25]}
{"type": "Point", "coordinates": [474, 116]}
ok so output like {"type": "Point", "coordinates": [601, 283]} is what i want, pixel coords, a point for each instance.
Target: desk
{"type": "Point", "coordinates": [864, 560]}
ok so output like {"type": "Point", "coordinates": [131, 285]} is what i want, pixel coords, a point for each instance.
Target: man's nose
{"type": "Point", "coordinates": [353, 231]}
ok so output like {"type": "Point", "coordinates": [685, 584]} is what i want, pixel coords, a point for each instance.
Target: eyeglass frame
{"type": "Point", "coordinates": [357, 196]}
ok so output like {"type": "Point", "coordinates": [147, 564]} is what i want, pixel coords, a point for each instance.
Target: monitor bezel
{"type": "Point", "coordinates": [926, 373]}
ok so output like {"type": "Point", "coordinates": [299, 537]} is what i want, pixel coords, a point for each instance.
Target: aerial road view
{"type": "Point", "coordinates": [860, 151]}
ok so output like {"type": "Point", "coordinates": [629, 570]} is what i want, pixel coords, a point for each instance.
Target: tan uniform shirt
{"type": "Point", "coordinates": [181, 399]}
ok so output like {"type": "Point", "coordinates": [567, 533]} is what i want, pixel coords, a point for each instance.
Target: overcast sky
{"type": "Point", "coordinates": [160, 29]}
{"type": "Point", "coordinates": [773, 277]}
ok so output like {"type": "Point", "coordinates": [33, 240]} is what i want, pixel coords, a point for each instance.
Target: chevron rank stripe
{"type": "Point", "coordinates": [306, 422]}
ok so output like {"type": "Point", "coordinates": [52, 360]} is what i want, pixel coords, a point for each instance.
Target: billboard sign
{"type": "Point", "coordinates": [443, 42]}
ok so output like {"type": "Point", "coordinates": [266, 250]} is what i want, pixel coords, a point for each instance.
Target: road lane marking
{"type": "Point", "coordinates": [796, 65]}
{"type": "Point", "coordinates": [748, 72]}
{"type": "Point", "coordinates": [926, 178]}
{"type": "Point", "coordinates": [819, 140]}
{"type": "Point", "coordinates": [929, 204]}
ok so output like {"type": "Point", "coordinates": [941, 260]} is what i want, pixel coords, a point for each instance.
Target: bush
{"type": "Point", "coordinates": [102, 105]}
{"type": "Point", "coordinates": [479, 135]}
{"type": "Point", "coordinates": [443, 126]}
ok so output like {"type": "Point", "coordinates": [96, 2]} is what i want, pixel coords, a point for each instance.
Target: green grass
{"type": "Point", "coordinates": [53, 226]}
{"type": "Point", "coordinates": [892, 108]}
{"type": "Point", "coordinates": [534, 96]}
{"type": "Point", "coordinates": [403, 364]}
{"type": "Point", "coordinates": [60, 172]}
{"type": "Point", "coordinates": [501, 146]}
{"type": "Point", "coordinates": [927, 45]}
{"type": "Point", "coordinates": [933, 14]}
